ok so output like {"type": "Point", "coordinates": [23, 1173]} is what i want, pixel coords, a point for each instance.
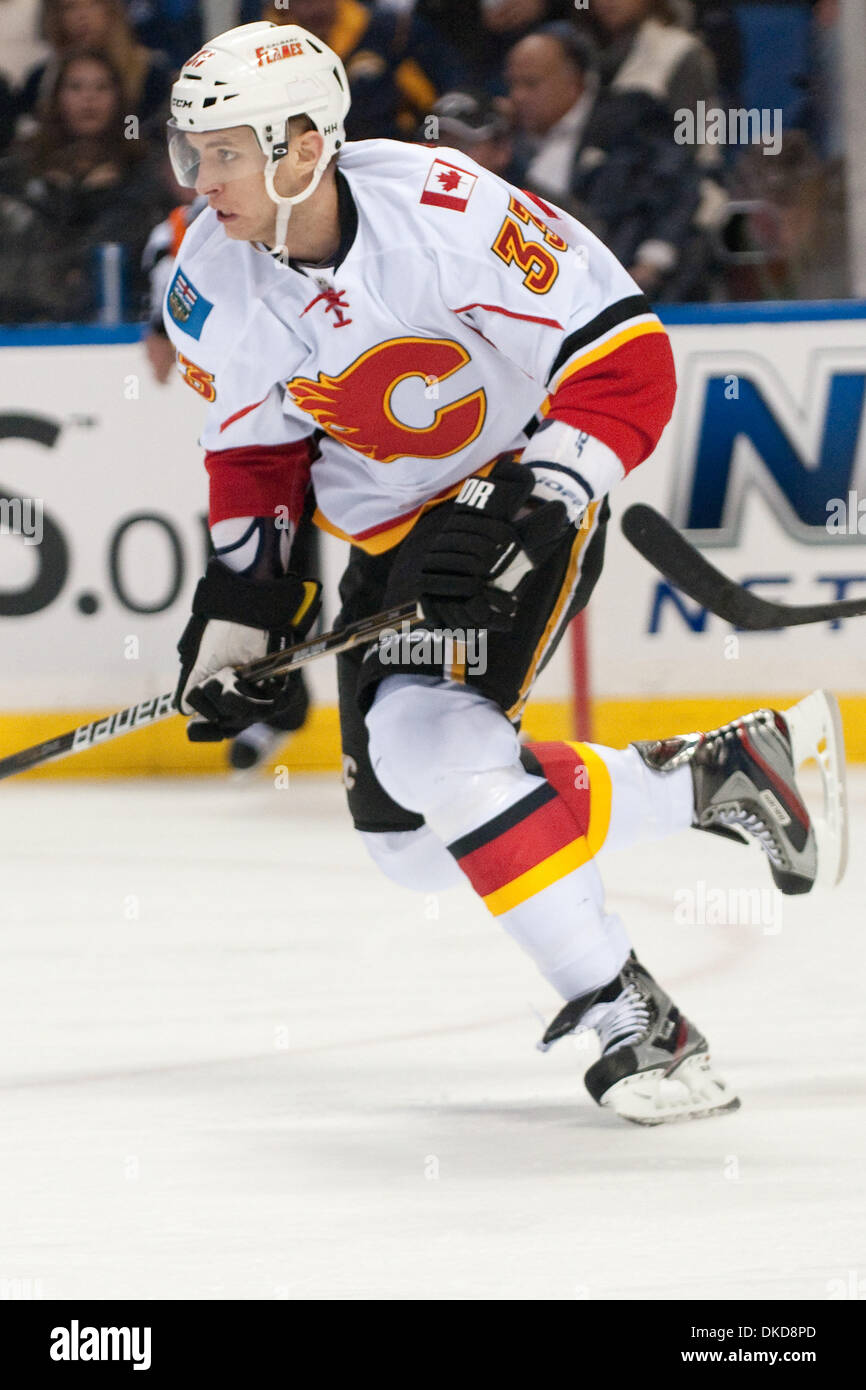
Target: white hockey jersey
{"type": "Point", "coordinates": [457, 310]}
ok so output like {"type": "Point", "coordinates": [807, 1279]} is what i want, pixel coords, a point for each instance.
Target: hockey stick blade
{"type": "Point", "coordinates": [682, 564]}
{"type": "Point", "coordinates": [126, 721]}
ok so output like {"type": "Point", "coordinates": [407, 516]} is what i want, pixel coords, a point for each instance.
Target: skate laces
{"type": "Point", "coordinates": [754, 825]}
{"type": "Point", "coordinates": [727, 733]}
{"type": "Point", "coordinates": [625, 1021]}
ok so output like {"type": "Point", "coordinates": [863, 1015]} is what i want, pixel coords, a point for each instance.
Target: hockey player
{"type": "Point", "coordinates": [464, 372]}
{"type": "Point", "coordinates": [256, 742]}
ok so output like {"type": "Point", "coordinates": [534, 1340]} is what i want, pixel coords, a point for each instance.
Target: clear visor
{"type": "Point", "coordinates": [213, 157]}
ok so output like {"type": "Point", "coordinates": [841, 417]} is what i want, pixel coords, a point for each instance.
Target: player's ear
{"type": "Point", "coordinates": [308, 149]}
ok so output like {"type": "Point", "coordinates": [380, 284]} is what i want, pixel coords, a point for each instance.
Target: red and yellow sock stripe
{"type": "Point", "coordinates": [551, 832]}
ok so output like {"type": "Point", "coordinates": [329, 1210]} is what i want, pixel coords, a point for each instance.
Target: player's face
{"type": "Point", "coordinates": [230, 175]}
{"type": "Point", "coordinates": [542, 84]}
{"type": "Point", "coordinates": [87, 99]}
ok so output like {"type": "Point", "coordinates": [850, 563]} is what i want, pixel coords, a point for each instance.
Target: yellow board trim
{"type": "Point", "coordinates": [164, 750]}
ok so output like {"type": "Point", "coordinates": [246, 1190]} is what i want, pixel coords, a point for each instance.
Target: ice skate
{"type": "Point", "coordinates": [745, 780]}
{"type": "Point", "coordinates": [655, 1065]}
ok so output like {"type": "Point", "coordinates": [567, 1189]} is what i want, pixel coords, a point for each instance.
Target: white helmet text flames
{"type": "Point", "coordinates": [260, 75]}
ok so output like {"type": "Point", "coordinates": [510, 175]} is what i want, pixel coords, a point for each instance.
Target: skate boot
{"type": "Point", "coordinates": [654, 1066]}
{"type": "Point", "coordinates": [745, 785]}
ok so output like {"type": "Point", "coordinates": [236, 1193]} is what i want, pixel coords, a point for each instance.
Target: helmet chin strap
{"type": "Point", "coordinates": [284, 204]}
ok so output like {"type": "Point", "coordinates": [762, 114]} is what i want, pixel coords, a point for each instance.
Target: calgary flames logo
{"type": "Point", "coordinates": [196, 377]}
{"type": "Point", "coordinates": [355, 407]}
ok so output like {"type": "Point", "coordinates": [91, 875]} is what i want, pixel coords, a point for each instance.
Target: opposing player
{"type": "Point", "coordinates": [464, 373]}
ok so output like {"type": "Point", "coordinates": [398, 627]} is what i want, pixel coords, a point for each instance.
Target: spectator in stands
{"type": "Point", "coordinates": [20, 22]}
{"type": "Point", "coordinates": [715, 22]}
{"type": "Point", "coordinates": [396, 63]}
{"type": "Point", "coordinates": [482, 31]}
{"type": "Point", "coordinates": [642, 48]}
{"type": "Point", "coordinates": [172, 26]}
{"type": "Point", "coordinates": [611, 159]}
{"type": "Point", "coordinates": [74, 185]}
{"type": "Point", "coordinates": [102, 25]}
{"type": "Point", "coordinates": [7, 114]}
{"type": "Point", "coordinates": [475, 123]}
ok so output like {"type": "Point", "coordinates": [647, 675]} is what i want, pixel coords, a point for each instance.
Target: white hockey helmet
{"type": "Point", "coordinates": [260, 75]}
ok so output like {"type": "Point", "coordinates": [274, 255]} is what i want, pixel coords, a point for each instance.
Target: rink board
{"type": "Point", "coordinates": [766, 447]}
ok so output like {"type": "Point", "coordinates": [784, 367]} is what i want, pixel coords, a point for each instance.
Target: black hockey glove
{"type": "Point", "coordinates": [495, 535]}
{"type": "Point", "coordinates": [236, 620]}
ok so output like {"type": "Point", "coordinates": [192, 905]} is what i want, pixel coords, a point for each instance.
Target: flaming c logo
{"type": "Point", "coordinates": [355, 407]}
{"type": "Point", "coordinates": [197, 377]}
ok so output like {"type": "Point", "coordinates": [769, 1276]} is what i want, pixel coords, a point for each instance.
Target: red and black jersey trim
{"type": "Point", "coordinates": [620, 312]}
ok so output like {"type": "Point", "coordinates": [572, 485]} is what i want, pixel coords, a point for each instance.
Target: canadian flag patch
{"type": "Point", "coordinates": [448, 187]}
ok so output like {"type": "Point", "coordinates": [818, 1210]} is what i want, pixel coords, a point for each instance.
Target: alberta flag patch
{"type": "Point", "coordinates": [187, 306]}
{"type": "Point", "coordinates": [448, 186]}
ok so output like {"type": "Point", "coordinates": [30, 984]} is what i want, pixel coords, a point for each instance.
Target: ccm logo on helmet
{"type": "Point", "coordinates": [181, 102]}
{"type": "Point", "coordinates": [275, 52]}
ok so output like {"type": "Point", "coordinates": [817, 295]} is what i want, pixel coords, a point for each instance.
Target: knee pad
{"type": "Point", "coordinates": [413, 859]}
{"type": "Point", "coordinates": [443, 750]}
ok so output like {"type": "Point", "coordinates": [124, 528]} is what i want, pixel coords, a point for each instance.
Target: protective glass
{"type": "Point", "coordinates": [214, 156]}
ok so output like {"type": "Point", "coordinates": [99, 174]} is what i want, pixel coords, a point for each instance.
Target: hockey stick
{"type": "Point", "coordinates": [668, 551]}
{"type": "Point", "coordinates": [134, 717]}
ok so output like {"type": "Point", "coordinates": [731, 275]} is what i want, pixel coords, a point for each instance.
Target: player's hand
{"type": "Point", "coordinates": [493, 537]}
{"type": "Point", "coordinates": [236, 620]}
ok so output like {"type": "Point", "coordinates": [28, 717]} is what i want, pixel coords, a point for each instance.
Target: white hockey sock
{"type": "Point", "coordinates": [450, 754]}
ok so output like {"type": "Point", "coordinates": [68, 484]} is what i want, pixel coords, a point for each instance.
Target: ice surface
{"type": "Point", "coordinates": [237, 1063]}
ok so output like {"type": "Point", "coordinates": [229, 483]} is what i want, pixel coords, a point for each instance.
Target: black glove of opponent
{"type": "Point", "coordinates": [492, 539]}
{"type": "Point", "coordinates": [236, 620]}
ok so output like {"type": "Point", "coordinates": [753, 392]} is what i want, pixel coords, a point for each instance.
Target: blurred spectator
{"type": "Point", "coordinates": [642, 48]}
{"type": "Point", "coordinates": [776, 236]}
{"type": "Point", "coordinates": [482, 31]}
{"type": "Point", "coordinates": [396, 63]}
{"type": "Point", "coordinates": [74, 185]}
{"type": "Point", "coordinates": [103, 25]}
{"type": "Point", "coordinates": [158, 260]}
{"type": "Point", "coordinates": [473, 122]}
{"type": "Point", "coordinates": [20, 22]}
{"type": "Point", "coordinates": [172, 26]}
{"type": "Point", "coordinates": [7, 114]}
{"type": "Point", "coordinates": [827, 82]}
{"type": "Point", "coordinates": [611, 159]}
{"type": "Point", "coordinates": [715, 21]}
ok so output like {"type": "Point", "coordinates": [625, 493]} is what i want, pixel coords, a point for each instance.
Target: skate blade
{"type": "Point", "coordinates": [693, 1091]}
{"type": "Point", "coordinates": [815, 726]}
